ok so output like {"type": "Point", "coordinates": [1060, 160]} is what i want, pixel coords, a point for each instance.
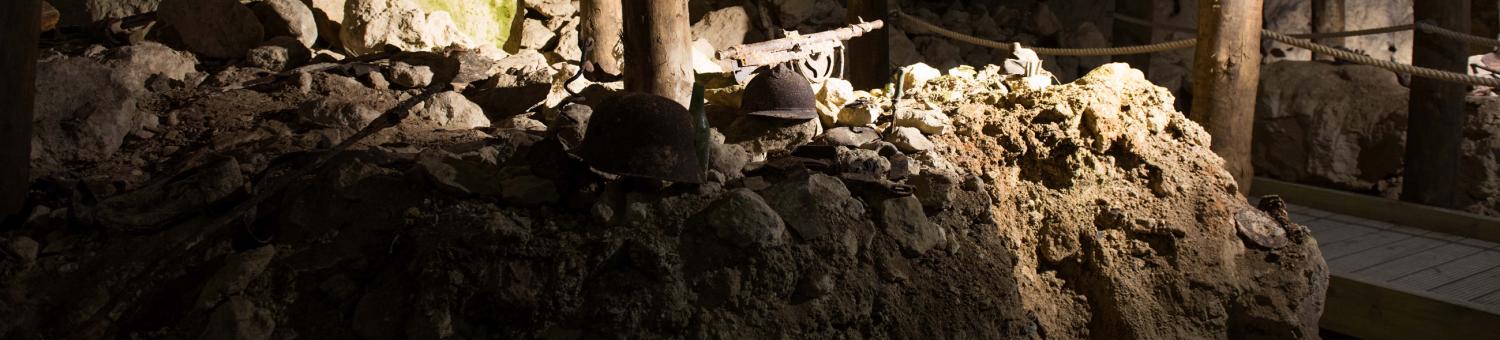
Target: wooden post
{"type": "Point", "coordinates": [1435, 122]}
{"type": "Point", "coordinates": [602, 24]}
{"type": "Point", "coordinates": [20, 22]}
{"type": "Point", "coordinates": [869, 56]}
{"type": "Point", "coordinates": [1128, 34]}
{"type": "Point", "coordinates": [1328, 16]}
{"type": "Point", "coordinates": [658, 43]}
{"type": "Point", "coordinates": [1226, 79]}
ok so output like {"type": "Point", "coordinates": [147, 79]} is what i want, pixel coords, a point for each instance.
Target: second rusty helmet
{"type": "Point", "coordinates": [642, 135]}
{"type": "Point", "coordinates": [779, 92]}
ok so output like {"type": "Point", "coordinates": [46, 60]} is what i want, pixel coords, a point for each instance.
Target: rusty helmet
{"type": "Point", "coordinates": [642, 135]}
{"type": "Point", "coordinates": [780, 92]}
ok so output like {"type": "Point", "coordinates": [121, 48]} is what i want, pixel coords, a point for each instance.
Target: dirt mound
{"type": "Point", "coordinates": [1124, 222]}
{"type": "Point", "coordinates": [1083, 209]}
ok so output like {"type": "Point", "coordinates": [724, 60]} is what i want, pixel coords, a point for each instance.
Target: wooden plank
{"type": "Point", "coordinates": [1381, 209]}
{"type": "Point", "coordinates": [1377, 311]}
{"type": "Point", "coordinates": [1345, 232]}
{"type": "Point", "coordinates": [1359, 244]}
{"type": "Point", "coordinates": [1382, 254]}
{"type": "Point", "coordinates": [1455, 270]}
{"type": "Point", "coordinates": [1472, 287]}
{"type": "Point", "coordinates": [1360, 221]}
{"type": "Point", "coordinates": [1491, 301]}
{"type": "Point", "coordinates": [1402, 267]}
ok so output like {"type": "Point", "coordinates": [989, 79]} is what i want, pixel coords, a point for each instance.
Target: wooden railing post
{"type": "Point", "coordinates": [1436, 115]}
{"type": "Point", "coordinates": [1227, 79]}
{"type": "Point", "coordinates": [20, 21]}
{"type": "Point", "coordinates": [658, 49]}
{"type": "Point", "coordinates": [869, 57]}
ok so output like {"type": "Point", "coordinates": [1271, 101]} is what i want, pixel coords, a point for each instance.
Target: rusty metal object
{"type": "Point", "coordinates": [816, 55]}
{"type": "Point", "coordinates": [795, 47]}
{"type": "Point", "coordinates": [1260, 229]}
{"type": "Point", "coordinates": [869, 184]}
{"type": "Point", "coordinates": [642, 135]}
{"type": "Point", "coordinates": [780, 92]}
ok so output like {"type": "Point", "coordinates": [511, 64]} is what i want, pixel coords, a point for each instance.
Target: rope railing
{"type": "Point", "coordinates": [1070, 52]}
{"type": "Point", "coordinates": [1294, 40]}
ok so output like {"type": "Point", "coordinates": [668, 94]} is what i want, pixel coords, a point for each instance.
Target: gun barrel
{"type": "Point", "coordinates": [744, 52]}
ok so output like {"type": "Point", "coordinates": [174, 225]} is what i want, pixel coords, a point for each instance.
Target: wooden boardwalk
{"type": "Point", "coordinates": [1456, 269]}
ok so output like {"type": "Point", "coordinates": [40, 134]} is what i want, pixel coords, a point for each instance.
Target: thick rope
{"type": "Point", "coordinates": [1460, 36]}
{"type": "Point", "coordinates": [1284, 38]}
{"type": "Point", "coordinates": [1071, 52]}
{"type": "Point", "coordinates": [1389, 65]}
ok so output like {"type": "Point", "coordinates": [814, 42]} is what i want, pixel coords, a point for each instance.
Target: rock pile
{"type": "Point", "coordinates": [966, 204]}
{"type": "Point", "coordinates": [1344, 127]}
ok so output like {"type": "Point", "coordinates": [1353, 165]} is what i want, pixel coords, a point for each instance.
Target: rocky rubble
{"type": "Point", "coordinates": [967, 205]}
{"type": "Point", "coordinates": [1344, 127]}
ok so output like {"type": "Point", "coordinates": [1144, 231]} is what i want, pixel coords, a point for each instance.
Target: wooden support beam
{"type": "Point", "coordinates": [20, 22]}
{"type": "Point", "coordinates": [1226, 79]}
{"type": "Point", "coordinates": [1376, 311]}
{"type": "Point", "coordinates": [603, 25]}
{"type": "Point", "coordinates": [658, 43]}
{"type": "Point", "coordinates": [1328, 16]}
{"type": "Point", "coordinates": [869, 56]}
{"type": "Point", "coordinates": [1128, 34]}
{"type": "Point", "coordinates": [1435, 122]}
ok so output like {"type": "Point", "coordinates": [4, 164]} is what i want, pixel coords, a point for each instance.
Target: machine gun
{"type": "Point", "coordinates": [817, 55]}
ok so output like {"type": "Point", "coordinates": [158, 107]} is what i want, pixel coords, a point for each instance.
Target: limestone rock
{"type": "Point", "coordinates": [862, 161]}
{"type": "Point", "coordinates": [528, 191]}
{"type": "Point", "coordinates": [724, 27]}
{"type": "Point", "coordinates": [764, 135]}
{"type": "Point", "coordinates": [84, 111]}
{"type": "Point", "coordinates": [861, 112]}
{"type": "Point", "coordinates": [930, 122]}
{"type": "Point", "coordinates": [84, 12]}
{"type": "Point", "coordinates": [515, 92]}
{"type": "Point", "coordinates": [371, 25]}
{"type": "Point", "coordinates": [411, 76]}
{"type": "Point", "coordinates": [909, 140]}
{"type": "Point", "coordinates": [552, 8]}
{"type": "Point", "coordinates": [329, 15]}
{"type": "Point", "coordinates": [456, 175]}
{"type": "Point", "coordinates": [450, 111]}
{"type": "Point", "coordinates": [152, 207]}
{"type": "Point", "coordinates": [279, 54]}
{"type": "Point", "coordinates": [289, 18]}
{"type": "Point", "coordinates": [832, 96]}
{"type": "Point", "coordinates": [238, 272]}
{"type": "Point", "coordinates": [535, 35]}
{"type": "Point", "coordinates": [815, 206]}
{"type": "Point", "coordinates": [240, 319]}
{"type": "Point", "coordinates": [935, 189]}
{"type": "Point", "coordinates": [337, 112]}
{"type": "Point", "coordinates": [917, 75]}
{"type": "Point", "coordinates": [902, 218]}
{"type": "Point", "coordinates": [704, 61]}
{"type": "Point", "coordinates": [214, 28]}
{"type": "Point", "coordinates": [744, 219]}
{"type": "Point", "coordinates": [154, 59]}
{"type": "Point", "coordinates": [522, 123]}
{"type": "Point", "coordinates": [849, 136]}
{"type": "Point", "coordinates": [1305, 115]}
